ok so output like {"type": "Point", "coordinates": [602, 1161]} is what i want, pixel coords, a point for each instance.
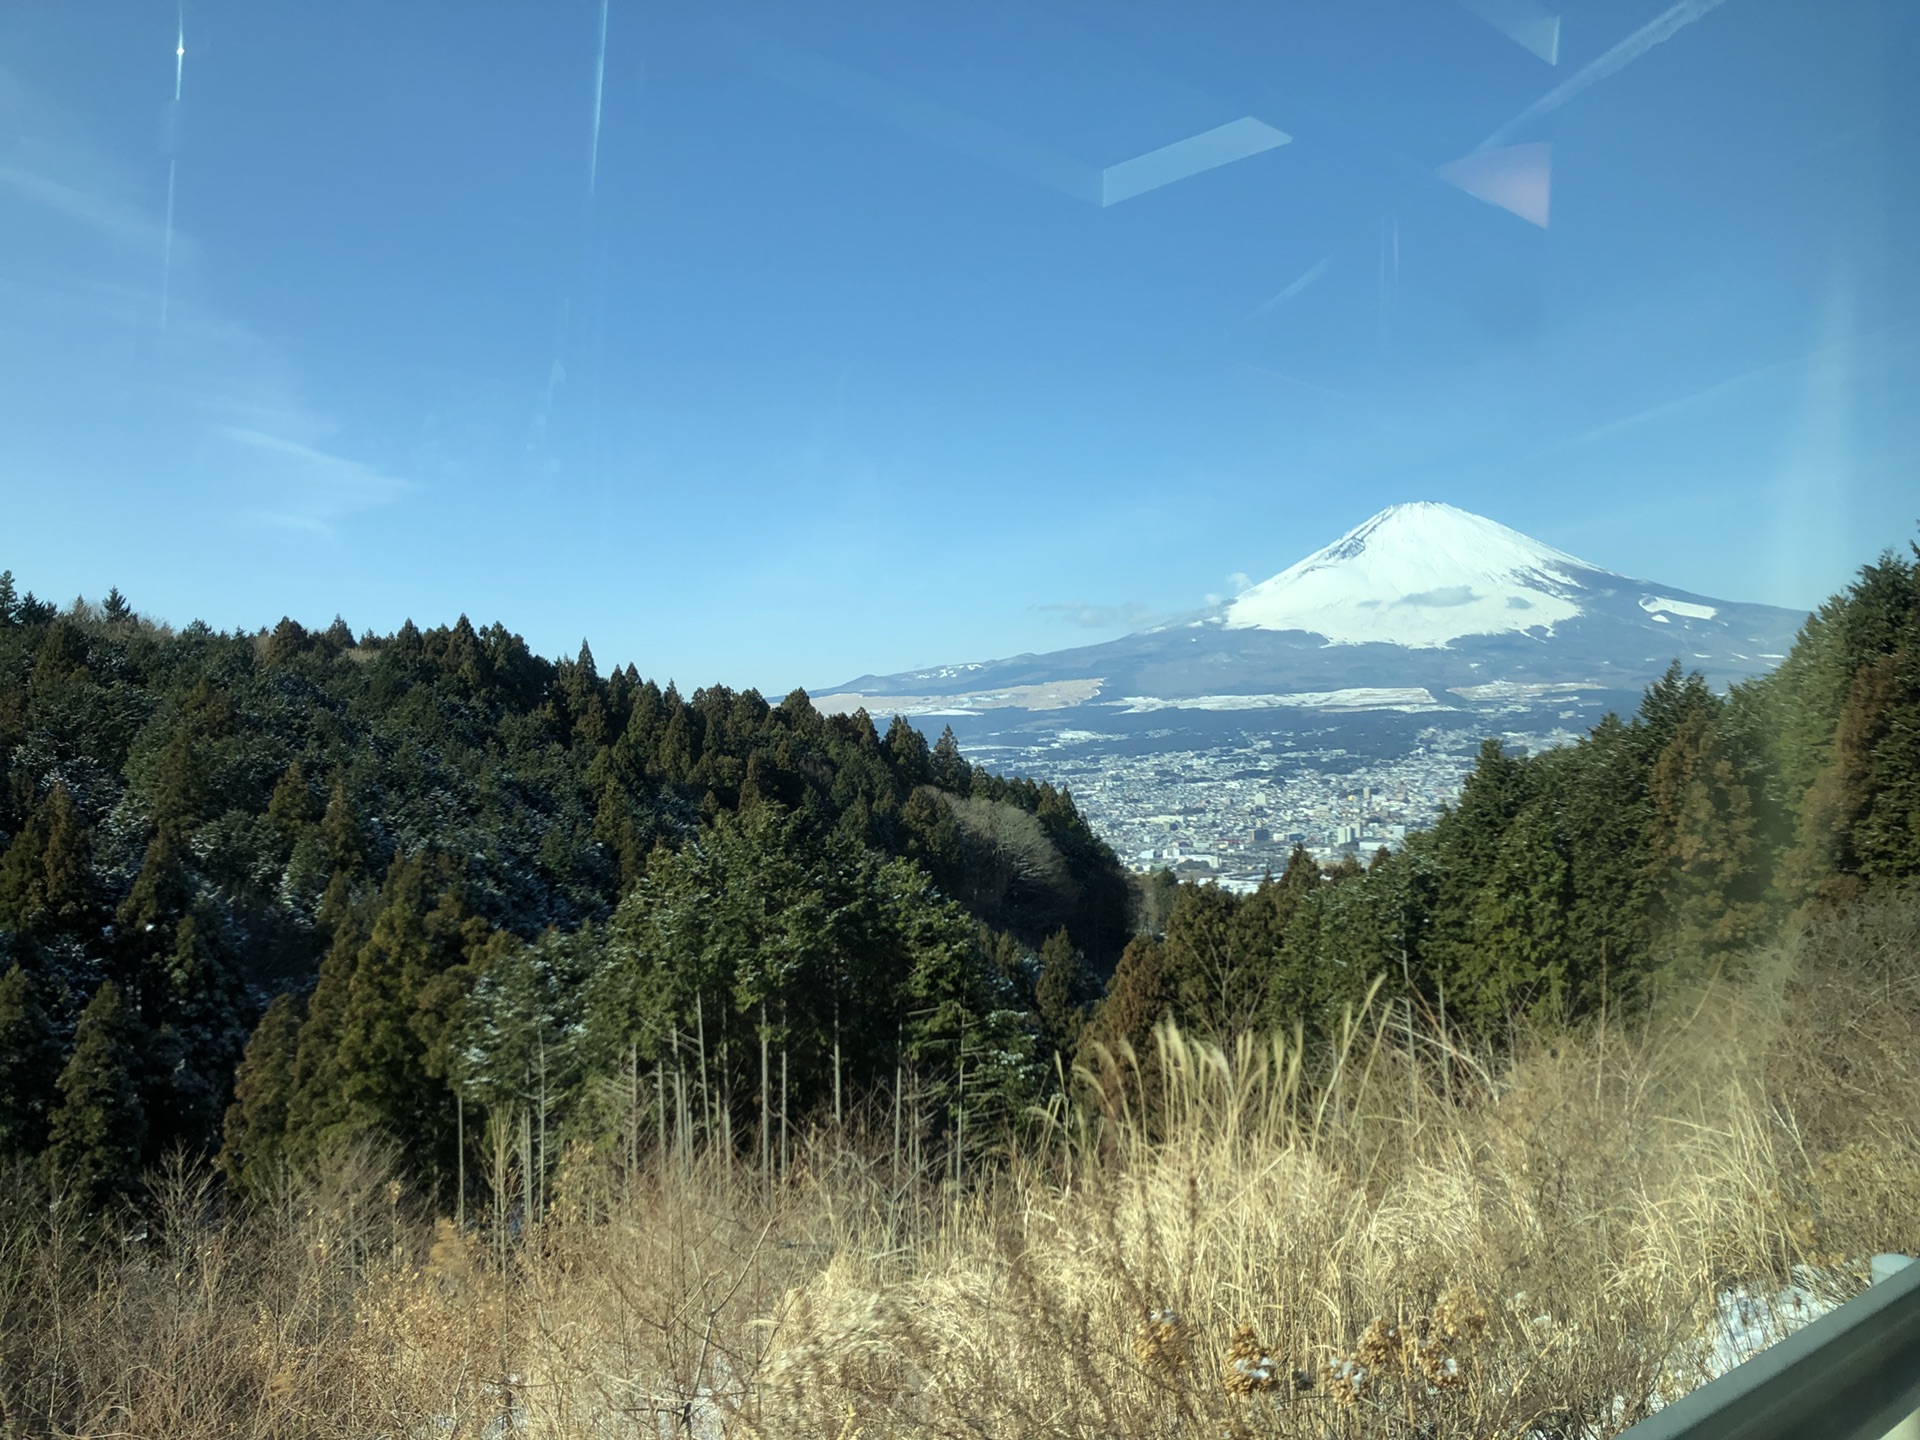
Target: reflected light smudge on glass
{"type": "Point", "coordinates": [171, 141]}
{"type": "Point", "coordinates": [599, 92]}
{"type": "Point", "coordinates": [1661, 28]}
{"type": "Point", "coordinates": [1525, 22]}
{"type": "Point", "coordinates": [1236, 140]}
{"type": "Point", "coordinates": [1518, 179]}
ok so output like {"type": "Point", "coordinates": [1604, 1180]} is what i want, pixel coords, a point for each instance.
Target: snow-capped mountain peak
{"type": "Point", "coordinates": [1419, 575]}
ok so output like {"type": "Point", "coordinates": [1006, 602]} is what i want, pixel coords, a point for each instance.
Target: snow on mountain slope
{"type": "Point", "coordinates": [1419, 575]}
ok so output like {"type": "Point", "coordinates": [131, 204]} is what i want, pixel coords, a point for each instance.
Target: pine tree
{"type": "Point", "coordinates": [67, 862]}
{"type": "Point", "coordinates": [314, 1106]}
{"type": "Point", "coordinates": [340, 828]}
{"type": "Point", "coordinates": [46, 877]}
{"type": "Point", "coordinates": [182, 789]}
{"type": "Point", "coordinates": [678, 750]}
{"type": "Point", "coordinates": [9, 601]}
{"type": "Point", "coordinates": [115, 609]}
{"type": "Point", "coordinates": [253, 1156]}
{"type": "Point", "coordinates": [950, 769]}
{"type": "Point", "coordinates": [98, 1129]}
{"type": "Point", "coordinates": [162, 889]}
{"type": "Point", "coordinates": [292, 807]}
{"type": "Point", "coordinates": [379, 1019]}
{"type": "Point", "coordinates": [1518, 957]}
{"type": "Point", "coordinates": [1598, 788]}
{"type": "Point", "coordinates": [1138, 998]}
{"type": "Point", "coordinates": [1709, 891]}
{"type": "Point", "coordinates": [1219, 979]}
{"type": "Point", "coordinates": [1860, 819]}
{"type": "Point", "coordinates": [409, 648]}
{"type": "Point", "coordinates": [288, 641]}
{"type": "Point", "coordinates": [907, 753]}
{"type": "Point", "coordinates": [195, 1012]}
{"type": "Point", "coordinates": [1056, 992]}
{"type": "Point", "coordinates": [29, 1060]}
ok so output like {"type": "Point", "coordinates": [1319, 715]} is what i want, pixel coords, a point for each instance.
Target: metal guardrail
{"type": "Point", "coordinates": [1853, 1374]}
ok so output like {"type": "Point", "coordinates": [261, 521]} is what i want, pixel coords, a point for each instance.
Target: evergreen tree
{"type": "Point", "coordinates": [1518, 958]}
{"type": "Point", "coordinates": [1138, 999]}
{"type": "Point", "coordinates": [29, 1060]}
{"type": "Point", "coordinates": [907, 754]}
{"type": "Point", "coordinates": [950, 770]}
{"type": "Point", "coordinates": [1827, 862]}
{"type": "Point", "coordinates": [46, 878]}
{"type": "Point", "coordinates": [115, 609]}
{"type": "Point", "coordinates": [161, 890]}
{"type": "Point", "coordinates": [384, 1075]}
{"type": "Point", "coordinates": [1219, 971]}
{"type": "Point", "coordinates": [340, 828]}
{"type": "Point", "coordinates": [1709, 895]}
{"type": "Point", "coordinates": [1056, 991]}
{"type": "Point", "coordinates": [1599, 792]}
{"type": "Point", "coordinates": [195, 1010]}
{"type": "Point", "coordinates": [183, 790]}
{"type": "Point", "coordinates": [9, 601]}
{"type": "Point", "coordinates": [314, 1103]}
{"type": "Point", "coordinates": [253, 1156]}
{"type": "Point", "coordinates": [98, 1129]}
{"type": "Point", "coordinates": [292, 808]}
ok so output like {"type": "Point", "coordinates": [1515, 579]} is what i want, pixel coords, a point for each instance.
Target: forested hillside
{"type": "Point", "coordinates": [1654, 850]}
{"type": "Point", "coordinates": [272, 894]}
{"type": "Point", "coordinates": [474, 876]}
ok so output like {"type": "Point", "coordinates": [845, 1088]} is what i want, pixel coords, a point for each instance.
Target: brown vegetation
{"type": "Point", "coordinates": [1392, 1236]}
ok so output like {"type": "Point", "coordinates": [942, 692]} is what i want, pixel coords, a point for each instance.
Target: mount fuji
{"type": "Point", "coordinates": [1423, 610]}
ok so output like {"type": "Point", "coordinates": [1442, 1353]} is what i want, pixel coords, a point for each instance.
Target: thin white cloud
{"type": "Point", "coordinates": [1720, 389]}
{"type": "Point", "coordinates": [225, 404]}
{"type": "Point", "coordinates": [313, 488]}
{"type": "Point", "coordinates": [123, 223]}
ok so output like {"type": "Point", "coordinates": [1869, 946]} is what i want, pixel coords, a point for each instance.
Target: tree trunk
{"type": "Point", "coordinates": [540, 1188]}
{"type": "Point", "coordinates": [526, 1169]}
{"type": "Point", "coordinates": [633, 1112]}
{"type": "Point", "coordinates": [706, 1095]}
{"type": "Point", "coordinates": [960, 1111]}
{"type": "Point", "coordinates": [766, 1107]}
{"type": "Point", "coordinates": [660, 1108]}
{"type": "Point", "coordinates": [726, 1101]}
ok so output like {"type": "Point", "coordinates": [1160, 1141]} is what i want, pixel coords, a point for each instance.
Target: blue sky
{"type": "Point", "coordinates": [774, 344]}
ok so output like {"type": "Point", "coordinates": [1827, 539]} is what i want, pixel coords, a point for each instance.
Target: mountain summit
{"type": "Point", "coordinates": [1419, 575]}
{"type": "Point", "coordinates": [1423, 608]}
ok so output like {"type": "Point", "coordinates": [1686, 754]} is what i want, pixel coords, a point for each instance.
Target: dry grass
{"type": "Point", "coordinates": [1372, 1242]}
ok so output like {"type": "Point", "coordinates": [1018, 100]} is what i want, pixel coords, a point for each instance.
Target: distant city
{"type": "Point", "coordinates": [1231, 812]}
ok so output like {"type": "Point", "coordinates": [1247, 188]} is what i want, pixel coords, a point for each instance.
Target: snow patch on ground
{"type": "Point", "coordinates": [1654, 604]}
{"type": "Point", "coordinates": [1408, 698]}
{"type": "Point", "coordinates": [1520, 689]}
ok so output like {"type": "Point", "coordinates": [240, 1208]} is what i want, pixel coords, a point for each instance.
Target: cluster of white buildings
{"type": "Point", "coordinates": [1232, 811]}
